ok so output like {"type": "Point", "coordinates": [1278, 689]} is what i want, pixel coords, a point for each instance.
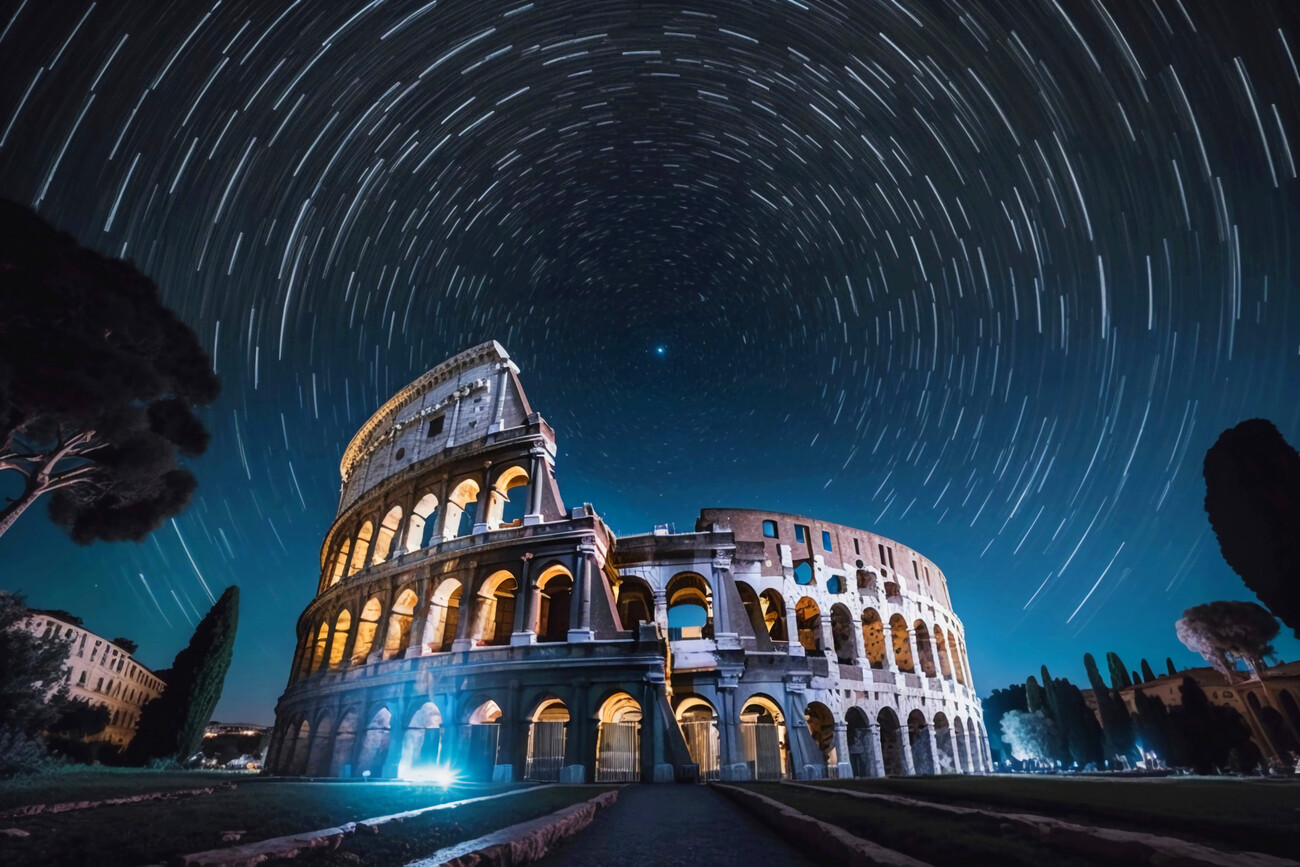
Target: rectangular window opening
{"type": "Point", "coordinates": [800, 533]}
{"type": "Point", "coordinates": [826, 540]}
{"type": "Point", "coordinates": [435, 426]}
{"type": "Point", "coordinates": [857, 549]}
{"type": "Point", "coordinates": [769, 529]}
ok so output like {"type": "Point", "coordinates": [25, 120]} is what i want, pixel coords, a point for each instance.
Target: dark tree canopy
{"type": "Point", "coordinates": [1117, 730]}
{"type": "Point", "coordinates": [126, 644]}
{"type": "Point", "coordinates": [1226, 631]}
{"type": "Point", "coordinates": [1169, 664]}
{"type": "Point", "coordinates": [1147, 674]}
{"type": "Point", "coordinates": [1119, 677]}
{"type": "Point", "coordinates": [1252, 497]}
{"type": "Point", "coordinates": [171, 726]}
{"type": "Point", "coordinates": [98, 381]}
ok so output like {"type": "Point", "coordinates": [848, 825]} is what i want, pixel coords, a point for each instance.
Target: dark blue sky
{"type": "Point", "coordinates": [987, 278]}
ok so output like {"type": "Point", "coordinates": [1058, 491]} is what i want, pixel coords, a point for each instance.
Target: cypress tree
{"type": "Point", "coordinates": [1137, 678]}
{"type": "Point", "coordinates": [1119, 678]}
{"type": "Point", "coordinates": [1035, 698]}
{"type": "Point", "coordinates": [1117, 730]}
{"type": "Point", "coordinates": [171, 726]}
{"type": "Point", "coordinates": [1169, 664]}
{"type": "Point", "coordinates": [1147, 674]}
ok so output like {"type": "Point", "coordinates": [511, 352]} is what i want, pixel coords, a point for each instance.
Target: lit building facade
{"type": "Point", "coordinates": [465, 617]}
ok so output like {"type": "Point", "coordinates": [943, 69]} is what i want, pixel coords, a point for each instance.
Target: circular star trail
{"type": "Point", "coordinates": [985, 277]}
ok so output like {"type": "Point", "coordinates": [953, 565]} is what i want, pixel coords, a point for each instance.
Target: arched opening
{"type": "Point", "coordinates": [919, 741]}
{"type": "Point", "coordinates": [495, 615]}
{"type": "Point", "coordinates": [1289, 707]}
{"type": "Point", "coordinates": [873, 638]}
{"type": "Point", "coordinates": [318, 656]}
{"type": "Point", "coordinates": [555, 586]}
{"type": "Point", "coordinates": [959, 744]}
{"type": "Point", "coordinates": [367, 626]}
{"type": "Point", "coordinates": [445, 615]}
{"type": "Point", "coordinates": [420, 743]}
{"type": "Point", "coordinates": [941, 650]}
{"type": "Point", "coordinates": [546, 733]}
{"type": "Point", "coordinates": [375, 743]}
{"type": "Point", "coordinates": [618, 740]}
{"type": "Point", "coordinates": [384, 544]}
{"type": "Point", "coordinates": [821, 725]}
{"type": "Point", "coordinates": [301, 747]}
{"type": "Point", "coordinates": [803, 573]}
{"type": "Point", "coordinates": [420, 530]}
{"type": "Point", "coordinates": [975, 747]}
{"type": "Point", "coordinates": [923, 649]}
{"type": "Point", "coordinates": [762, 739]}
{"type": "Point", "coordinates": [842, 634]}
{"type": "Point", "coordinates": [462, 504]}
{"type": "Point", "coordinates": [690, 607]}
{"type": "Point", "coordinates": [958, 657]}
{"type": "Point", "coordinates": [505, 509]}
{"type": "Point", "coordinates": [361, 548]}
{"type": "Point", "coordinates": [861, 745]}
{"type": "Point", "coordinates": [636, 603]}
{"type": "Point", "coordinates": [774, 615]}
{"type": "Point", "coordinates": [481, 738]}
{"type": "Point", "coordinates": [344, 740]}
{"type": "Point", "coordinates": [753, 609]}
{"type": "Point", "coordinates": [946, 759]}
{"type": "Point", "coordinates": [699, 725]}
{"type": "Point", "coordinates": [902, 647]}
{"type": "Point", "coordinates": [866, 581]}
{"type": "Point", "coordinates": [399, 624]}
{"type": "Point", "coordinates": [341, 562]}
{"type": "Point", "coordinates": [808, 621]}
{"type": "Point", "coordinates": [341, 627]}
{"type": "Point", "coordinates": [891, 743]}
{"type": "Point", "coordinates": [318, 761]}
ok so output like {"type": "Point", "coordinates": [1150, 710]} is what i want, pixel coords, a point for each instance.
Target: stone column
{"type": "Point", "coordinates": [580, 604]}
{"type": "Point", "coordinates": [403, 529]}
{"type": "Point", "coordinates": [721, 574]}
{"type": "Point", "coordinates": [385, 623]}
{"type": "Point", "coordinates": [661, 608]}
{"type": "Point", "coordinates": [733, 762]}
{"type": "Point", "coordinates": [329, 642]}
{"type": "Point", "coordinates": [905, 744]}
{"type": "Point", "coordinates": [484, 500]}
{"type": "Point", "coordinates": [525, 630]}
{"type": "Point", "coordinates": [350, 645]}
{"type": "Point", "coordinates": [469, 612]}
{"type": "Point", "coordinates": [917, 668]}
{"type": "Point", "coordinates": [843, 767]}
{"type": "Point", "coordinates": [877, 750]}
{"type": "Point", "coordinates": [498, 422]}
{"type": "Point", "coordinates": [536, 474]}
{"type": "Point", "coordinates": [455, 416]}
{"type": "Point", "coordinates": [934, 747]}
{"type": "Point", "coordinates": [416, 646]}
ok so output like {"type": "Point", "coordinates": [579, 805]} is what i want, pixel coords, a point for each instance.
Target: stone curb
{"type": "Point", "coordinates": [68, 806]}
{"type": "Point", "coordinates": [1108, 843]}
{"type": "Point", "coordinates": [290, 846]}
{"type": "Point", "coordinates": [522, 843]}
{"type": "Point", "coordinates": [832, 842]}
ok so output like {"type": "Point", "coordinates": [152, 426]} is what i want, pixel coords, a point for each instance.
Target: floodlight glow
{"type": "Point", "coordinates": [443, 776]}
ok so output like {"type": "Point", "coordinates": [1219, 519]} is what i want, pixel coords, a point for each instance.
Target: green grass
{"type": "Point", "coordinates": [1252, 815]}
{"type": "Point", "coordinates": [82, 783]}
{"type": "Point", "coordinates": [400, 843]}
{"type": "Point", "coordinates": [152, 831]}
{"type": "Point", "coordinates": [938, 838]}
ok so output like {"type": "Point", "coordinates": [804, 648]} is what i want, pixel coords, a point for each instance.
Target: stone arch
{"type": "Point", "coordinates": [318, 655]}
{"type": "Point", "coordinates": [698, 722]}
{"type": "Point", "coordinates": [362, 548]}
{"type": "Point", "coordinates": [375, 743]}
{"type": "Point", "coordinates": [846, 649]}
{"type": "Point", "coordinates": [753, 609]}
{"type": "Point", "coordinates": [959, 743]}
{"type": "Point", "coordinates": [342, 625]}
{"type": "Point", "coordinates": [386, 541]}
{"type": "Point", "coordinates": [504, 509]}
{"type": "Point", "coordinates": [941, 651]}
{"type": "Point", "coordinates": [902, 647]}
{"type": "Point", "coordinates": [636, 602]}
{"type": "Point", "coordinates": [318, 757]}
{"type": "Point", "coordinates": [763, 738]}
{"type": "Point", "coordinates": [444, 615]}
{"type": "Point", "coordinates": [918, 736]}
{"type": "Point", "coordinates": [462, 504]}
{"type": "Point", "coordinates": [481, 739]}
{"type": "Point", "coordinates": [421, 529]}
{"type": "Point", "coordinates": [1289, 707]}
{"type": "Point", "coordinates": [924, 650]}
{"type": "Point", "coordinates": [891, 743]}
{"type": "Point", "coordinates": [976, 747]}
{"type": "Point", "coordinates": [555, 586]}
{"type": "Point", "coordinates": [945, 758]}
{"type": "Point", "coordinates": [367, 626]}
{"type": "Point", "coordinates": [495, 615]}
{"type": "Point", "coordinates": [421, 742]}
{"type": "Point", "coordinates": [958, 647]}
{"type": "Point", "coordinates": [773, 605]}
{"type": "Point", "coordinates": [808, 621]}
{"type": "Point", "coordinates": [690, 606]}
{"type": "Point", "coordinates": [341, 561]}
{"type": "Point", "coordinates": [301, 748]}
{"type": "Point", "coordinates": [548, 726]}
{"type": "Point", "coordinates": [821, 725]}
{"type": "Point", "coordinates": [861, 745]}
{"type": "Point", "coordinates": [618, 739]}
{"type": "Point", "coordinates": [344, 740]}
{"type": "Point", "coordinates": [400, 617]}
{"type": "Point", "coordinates": [873, 638]}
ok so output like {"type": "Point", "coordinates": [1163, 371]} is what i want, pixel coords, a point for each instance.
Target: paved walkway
{"type": "Point", "coordinates": [669, 824]}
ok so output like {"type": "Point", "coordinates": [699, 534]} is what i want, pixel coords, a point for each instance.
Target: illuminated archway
{"type": "Point", "coordinates": [481, 740]}
{"type": "Point", "coordinates": [504, 509]}
{"type": "Point", "coordinates": [341, 627]}
{"type": "Point", "coordinates": [902, 647]}
{"type": "Point", "coordinates": [690, 606]}
{"type": "Point", "coordinates": [421, 742]}
{"type": "Point", "coordinates": [618, 740]}
{"type": "Point", "coordinates": [763, 738]}
{"type": "Point", "coordinates": [362, 548]}
{"type": "Point", "coordinates": [821, 725]}
{"type": "Point", "coordinates": [699, 724]}
{"type": "Point", "coordinates": [495, 616]}
{"type": "Point", "coordinates": [444, 613]}
{"type": "Point", "coordinates": [921, 633]}
{"type": "Point", "coordinates": [420, 529]}
{"type": "Point", "coordinates": [367, 626]}
{"type": "Point", "coordinates": [385, 542]}
{"type": "Point", "coordinates": [555, 586]}
{"type": "Point", "coordinates": [808, 620]}
{"type": "Point", "coordinates": [774, 615]}
{"type": "Point", "coordinates": [842, 634]}
{"type": "Point", "coordinates": [375, 744]}
{"type": "Point", "coordinates": [462, 504]}
{"type": "Point", "coordinates": [399, 624]}
{"type": "Point", "coordinates": [547, 728]}
{"type": "Point", "coordinates": [635, 603]}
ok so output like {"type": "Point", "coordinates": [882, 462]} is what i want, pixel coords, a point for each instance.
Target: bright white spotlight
{"type": "Point", "coordinates": [443, 776]}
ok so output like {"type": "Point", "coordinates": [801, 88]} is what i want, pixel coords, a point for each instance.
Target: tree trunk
{"type": "Point", "coordinates": [10, 513]}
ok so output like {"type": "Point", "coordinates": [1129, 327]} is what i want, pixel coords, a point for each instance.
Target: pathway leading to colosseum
{"type": "Point", "coordinates": [675, 825]}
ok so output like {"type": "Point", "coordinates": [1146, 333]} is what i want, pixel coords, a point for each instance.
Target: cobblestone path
{"type": "Point", "coordinates": [675, 825]}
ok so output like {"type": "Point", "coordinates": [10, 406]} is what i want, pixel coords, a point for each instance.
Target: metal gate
{"type": "Point", "coordinates": [545, 751]}
{"type": "Point", "coordinates": [702, 742]}
{"type": "Point", "coordinates": [618, 753]}
{"type": "Point", "coordinates": [479, 749]}
{"type": "Point", "coordinates": [761, 744]}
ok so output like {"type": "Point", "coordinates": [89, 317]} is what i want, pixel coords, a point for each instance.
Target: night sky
{"type": "Point", "coordinates": [987, 278]}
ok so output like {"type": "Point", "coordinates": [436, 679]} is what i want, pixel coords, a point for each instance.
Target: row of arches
{"type": "Point", "coordinates": [501, 496]}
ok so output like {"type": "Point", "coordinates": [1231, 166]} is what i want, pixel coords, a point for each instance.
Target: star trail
{"type": "Point", "coordinates": [984, 277]}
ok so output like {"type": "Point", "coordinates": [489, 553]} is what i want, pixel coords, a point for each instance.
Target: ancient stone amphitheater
{"type": "Point", "coordinates": [468, 622]}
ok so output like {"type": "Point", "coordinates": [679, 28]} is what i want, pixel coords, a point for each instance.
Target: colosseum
{"type": "Point", "coordinates": [468, 622]}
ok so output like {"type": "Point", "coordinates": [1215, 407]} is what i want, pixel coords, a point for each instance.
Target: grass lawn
{"type": "Point", "coordinates": [151, 831]}
{"type": "Point", "coordinates": [95, 784]}
{"type": "Point", "coordinates": [400, 843]}
{"type": "Point", "coordinates": [934, 837]}
{"type": "Point", "coordinates": [1252, 815]}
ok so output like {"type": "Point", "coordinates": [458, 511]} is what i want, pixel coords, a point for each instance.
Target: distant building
{"type": "Point", "coordinates": [235, 744]}
{"type": "Point", "coordinates": [101, 673]}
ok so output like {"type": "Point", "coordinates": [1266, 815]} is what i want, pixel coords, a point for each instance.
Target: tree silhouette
{"type": "Point", "coordinates": [1224, 632]}
{"type": "Point", "coordinates": [1147, 674]}
{"type": "Point", "coordinates": [97, 384]}
{"type": "Point", "coordinates": [1252, 497]}
{"type": "Point", "coordinates": [32, 687]}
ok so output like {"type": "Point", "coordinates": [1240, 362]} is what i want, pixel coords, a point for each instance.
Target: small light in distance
{"type": "Point", "coordinates": [443, 776]}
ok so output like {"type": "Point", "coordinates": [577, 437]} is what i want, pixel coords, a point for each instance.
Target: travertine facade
{"type": "Point", "coordinates": [101, 673]}
{"type": "Point", "coordinates": [465, 618]}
